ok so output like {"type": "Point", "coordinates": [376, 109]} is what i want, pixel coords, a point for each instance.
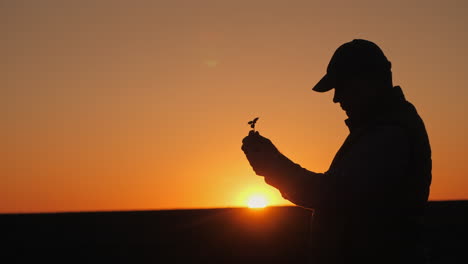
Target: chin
{"type": "Point", "coordinates": [350, 113]}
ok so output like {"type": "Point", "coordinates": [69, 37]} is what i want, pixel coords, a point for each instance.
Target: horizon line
{"type": "Point", "coordinates": [177, 209]}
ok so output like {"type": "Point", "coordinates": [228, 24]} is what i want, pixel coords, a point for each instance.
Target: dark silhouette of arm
{"type": "Point", "coordinates": [371, 172]}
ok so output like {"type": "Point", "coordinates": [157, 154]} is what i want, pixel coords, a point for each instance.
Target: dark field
{"type": "Point", "coordinates": [237, 235]}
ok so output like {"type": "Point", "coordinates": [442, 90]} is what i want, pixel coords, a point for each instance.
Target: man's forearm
{"type": "Point", "coordinates": [299, 185]}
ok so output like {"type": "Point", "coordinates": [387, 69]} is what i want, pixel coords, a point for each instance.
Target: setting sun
{"type": "Point", "coordinates": [257, 201]}
{"type": "Point", "coordinates": [259, 195]}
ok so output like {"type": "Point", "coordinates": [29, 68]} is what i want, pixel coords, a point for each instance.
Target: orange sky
{"type": "Point", "coordinates": [127, 105]}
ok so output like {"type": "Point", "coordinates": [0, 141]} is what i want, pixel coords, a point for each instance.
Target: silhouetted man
{"type": "Point", "coordinates": [369, 205]}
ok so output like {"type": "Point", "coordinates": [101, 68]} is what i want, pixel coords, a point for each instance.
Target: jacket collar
{"type": "Point", "coordinates": [390, 99]}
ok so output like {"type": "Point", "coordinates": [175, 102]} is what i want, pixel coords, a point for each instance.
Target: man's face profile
{"type": "Point", "coordinates": [354, 95]}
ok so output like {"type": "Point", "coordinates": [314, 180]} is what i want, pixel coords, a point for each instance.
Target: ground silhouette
{"type": "Point", "coordinates": [233, 235]}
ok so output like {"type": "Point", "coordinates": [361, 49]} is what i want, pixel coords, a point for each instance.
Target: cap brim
{"type": "Point", "coordinates": [324, 85]}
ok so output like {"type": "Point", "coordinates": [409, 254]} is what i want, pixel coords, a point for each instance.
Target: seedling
{"type": "Point", "coordinates": [252, 123]}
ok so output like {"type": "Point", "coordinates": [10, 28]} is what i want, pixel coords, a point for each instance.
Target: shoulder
{"type": "Point", "coordinates": [387, 132]}
{"type": "Point", "coordinates": [385, 138]}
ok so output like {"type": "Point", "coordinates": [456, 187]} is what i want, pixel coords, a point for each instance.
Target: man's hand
{"type": "Point", "coordinates": [261, 153]}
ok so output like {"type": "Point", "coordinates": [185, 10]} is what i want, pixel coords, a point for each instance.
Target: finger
{"type": "Point", "coordinates": [263, 139]}
{"type": "Point", "coordinates": [250, 147]}
{"type": "Point", "coordinates": [243, 148]}
{"type": "Point", "coordinates": [251, 142]}
{"type": "Point", "coordinates": [258, 138]}
{"type": "Point", "coordinates": [249, 138]}
{"type": "Point", "coordinates": [255, 134]}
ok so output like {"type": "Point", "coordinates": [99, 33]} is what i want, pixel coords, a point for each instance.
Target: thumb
{"type": "Point", "coordinates": [253, 133]}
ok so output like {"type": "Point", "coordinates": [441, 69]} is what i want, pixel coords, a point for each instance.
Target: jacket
{"type": "Point", "coordinates": [369, 205]}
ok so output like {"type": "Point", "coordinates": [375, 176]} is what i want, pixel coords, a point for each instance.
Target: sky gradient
{"type": "Point", "coordinates": [131, 105]}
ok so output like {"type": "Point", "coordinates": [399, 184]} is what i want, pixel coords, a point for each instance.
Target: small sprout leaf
{"type": "Point", "coordinates": [252, 123]}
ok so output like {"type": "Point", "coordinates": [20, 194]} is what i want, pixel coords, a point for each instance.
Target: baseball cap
{"type": "Point", "coordinates": [358, 57]}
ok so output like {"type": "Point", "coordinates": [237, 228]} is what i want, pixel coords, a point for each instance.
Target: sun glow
{"type": "Point", "coordinates": [257, 201]}
{"type": "Point", "coordinates": [257, 194]}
